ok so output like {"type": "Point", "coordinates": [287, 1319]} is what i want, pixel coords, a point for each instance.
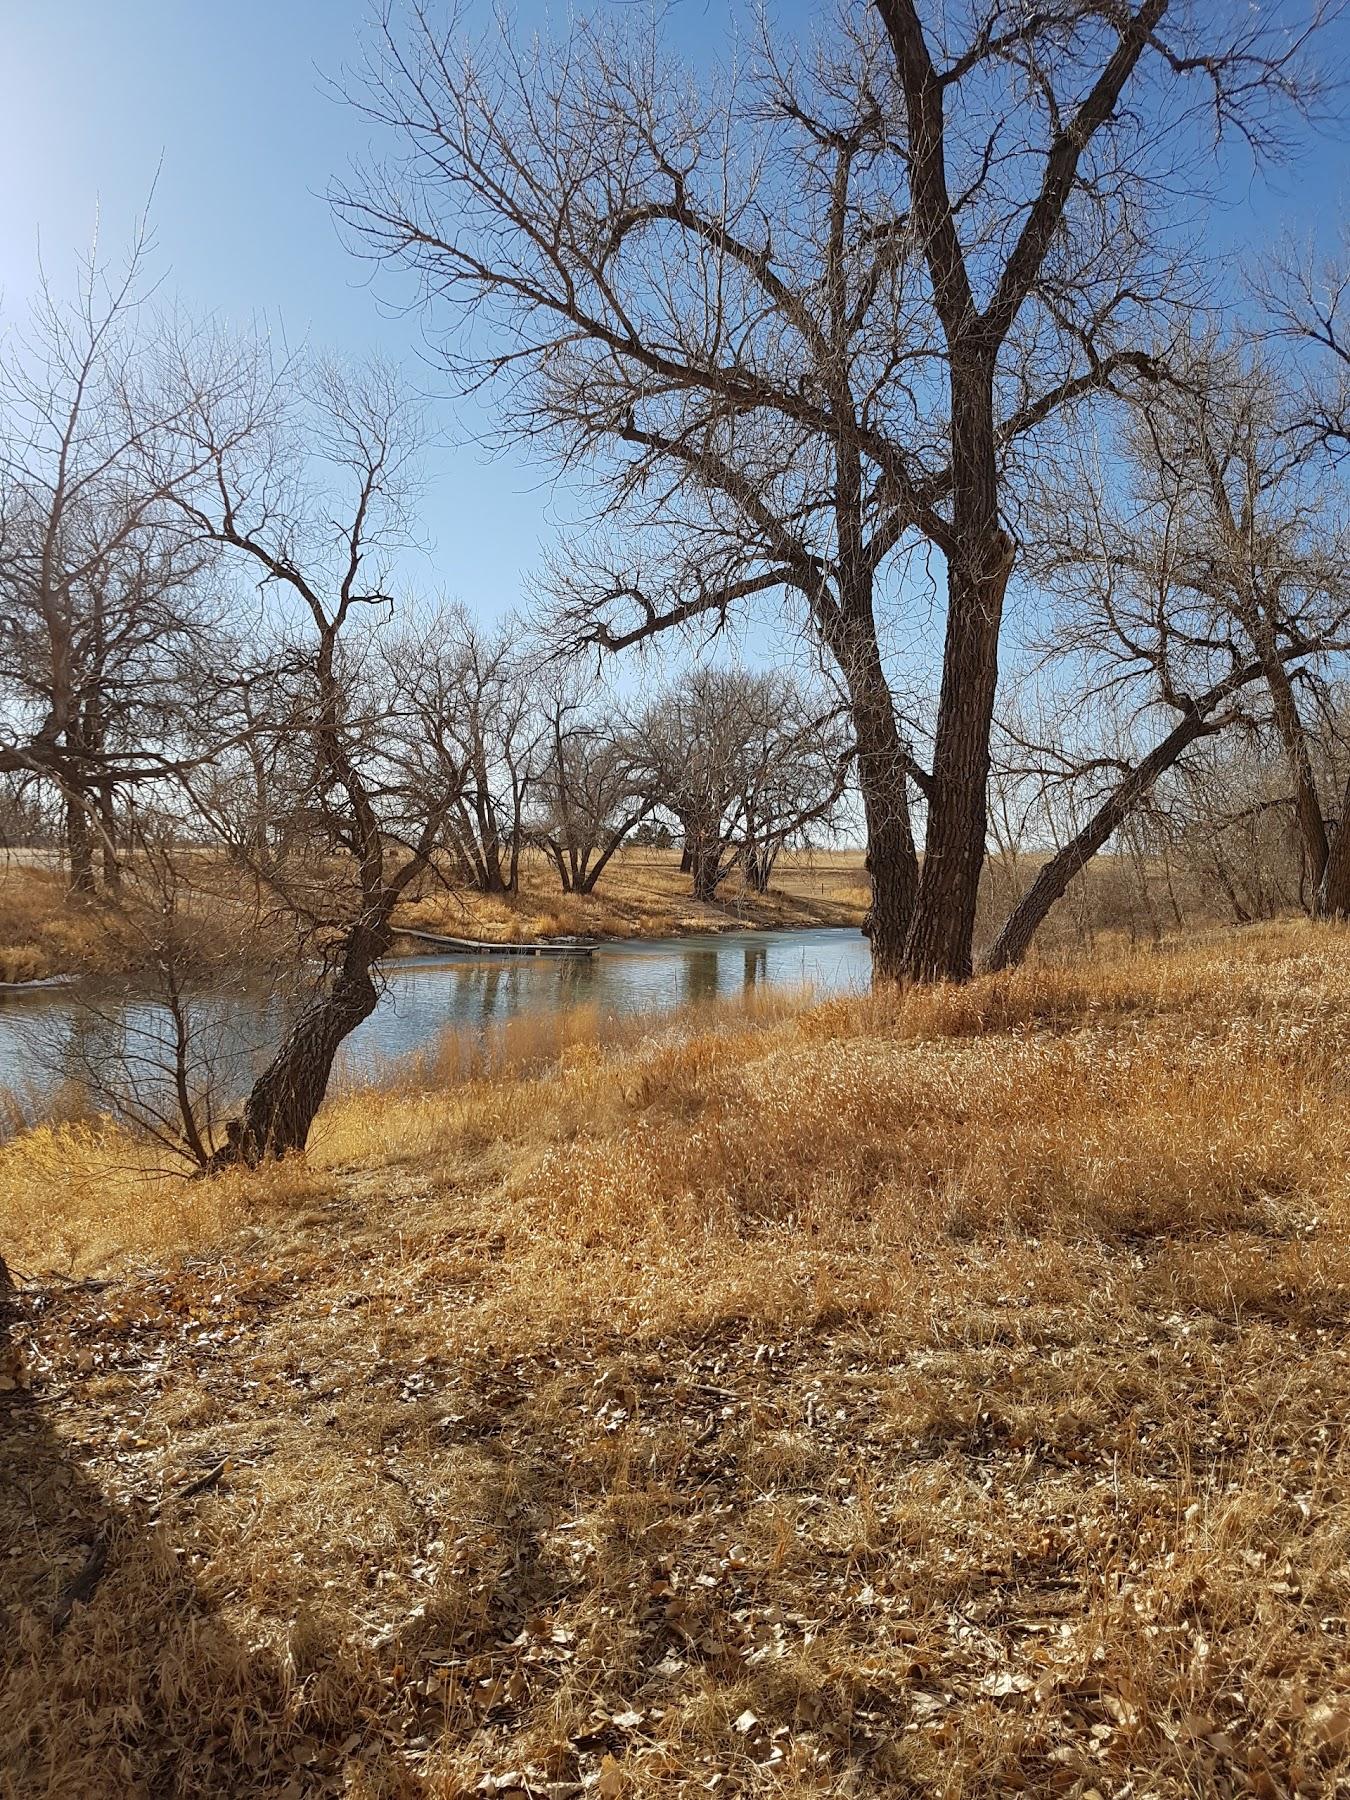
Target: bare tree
{"type": "Point", "coordinates": [475, 697]}
{"type": "Point", "coordinates": [101, 587]}
{"type": "Point", "coordinates": [816, 318]}
{"type": "Point", "coordinates": [797, 768]}
{"type": "Point", "coordinates": [589, 796]}
{"type": "Point", "coordinates": [1231, 820]}
{"type": "Point", "coordinates": [1308, 305]}
{"type": "Point", "coordinates": [744, 763]}
{"type": "Point", "coordinates": [1198, 569]}
{"type": "Point", "coordinates": [1265, 544]}
{"type": "Point", "coordinates": [343, 697]}
{"type": "Point", "coordinates": [165, 1044]}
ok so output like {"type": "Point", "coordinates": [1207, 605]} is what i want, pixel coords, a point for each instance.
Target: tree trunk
{"type": "Point", "coordinates": [565, 865]}
{"type": "Point", "coordinates": [1026, 918]}
{"type": "Point", "coordinates": [107, 816]}
{"type": "Point", "coordinates": [1333, 896]}
{"type": "Point", "coordinates": [277, 1116]}
{"type": "Point", "coordinates": [1312, 831]}
{"type": "Point", "coordinates": [891, 862]}
{"type": "Point", "coordinates": [938, 947]}
{"type": "Point", "coordinates": [494, 881]}
{"type": "Point", "coordinates": [759, 863]}
{"type": "Point", "coordinates": [1240, 914]}
{"type": "Point", "coordinates": [705, 864]}
{"type": "Point", "coordinates": [79, 847]}
{"type": "Point", "coordinates": [590, 872]}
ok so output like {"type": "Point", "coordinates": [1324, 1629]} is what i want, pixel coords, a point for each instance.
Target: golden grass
{"type": "Point", "coordinates": [42, 931]}
{"type": "Point", "coordinates": [936, 1394]}
{"type": "Point", "coordinates": [642, 893]}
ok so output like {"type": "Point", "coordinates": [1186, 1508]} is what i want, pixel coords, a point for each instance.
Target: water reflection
{"type": "Point", "coordinates": [46, 1037]}
{"type": "Point", "coordinates": [699, 973]}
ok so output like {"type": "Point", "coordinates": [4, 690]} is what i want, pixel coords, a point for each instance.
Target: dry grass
{"type": "Point", "coordinates": [42, 931]}
{"type": "Point", "coordinates": [938, 1394]}
{"type": "Point", "coordinates": [642, 893]}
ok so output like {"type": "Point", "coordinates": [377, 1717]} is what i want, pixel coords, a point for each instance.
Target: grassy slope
{"type": "Point", "coordinates": [42, 932]}
{"type": "Point", "coordinates": [643, 894]}
{"type": "Point", "coordinates": [941, 1396]}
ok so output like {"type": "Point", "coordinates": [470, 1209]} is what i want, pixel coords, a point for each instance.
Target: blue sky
{"type": "Point", "coordinates": [227, 102]}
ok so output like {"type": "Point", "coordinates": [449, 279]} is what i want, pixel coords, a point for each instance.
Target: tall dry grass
{"type": "Point", "coordinates": [935, 1393]}
{"type": "Point", "coordinates": [42, 932]}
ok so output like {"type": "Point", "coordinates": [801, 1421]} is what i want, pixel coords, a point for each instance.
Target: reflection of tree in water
{"type": "Point", "coordinates": [700, 976]}
{"type": "Point", "coordinates": [166, 1064]}
{"type": "Point", "coordinates": [477, 992]}
{"type": "Point", "coordinates": [51, 1042]}
{"type": "Point", "coordinates": [575, 980]}
{"type": "Point", "coordinates": [490, 991]}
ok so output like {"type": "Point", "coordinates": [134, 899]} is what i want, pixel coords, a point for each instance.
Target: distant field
{"type": "Point", "coordinates": [641, 893]}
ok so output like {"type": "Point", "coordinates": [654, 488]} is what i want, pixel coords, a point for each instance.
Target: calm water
{"type": "Point", "coordinates": [48, 1038]}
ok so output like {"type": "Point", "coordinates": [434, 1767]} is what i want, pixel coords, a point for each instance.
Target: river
{"type": "Point", "coordinates": [53, 1039]}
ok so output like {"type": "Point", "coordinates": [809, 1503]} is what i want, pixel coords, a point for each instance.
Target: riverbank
{"type": "Point", "coordinates": [940, 1394]}
{"type": "Point", "coordinates": [44, 932]}
{"type": "Point", "coordinates": [642, 894]}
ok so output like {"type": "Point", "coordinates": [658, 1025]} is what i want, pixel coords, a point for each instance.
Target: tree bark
{"type": "Point", "coordinates": [939, 944]}
{"type": "Point", "coordinates": [107, 814]}
{"type": "Point", "coordinates": [1312, 830]}
{"type": "Point", "coordinates": [79, 847]}
{"type": "Point", "coordinates": [705, 862]}
{"type": "Point", "coordinates": [882, 772]}
{"type": "Point", "coordinates": [892, 867]}
{"type": "Point", "coordinates": [943, 929]}
{"type": "Point", "coordinates": [563, 865]}
{"type": "Point", "coordinates": [1333, 896]}
{"type": "Point", "coordinates": [276, 1118]}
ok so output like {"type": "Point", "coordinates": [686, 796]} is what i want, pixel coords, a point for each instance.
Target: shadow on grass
{"type": "Point", "coordinates": [118, 1676]}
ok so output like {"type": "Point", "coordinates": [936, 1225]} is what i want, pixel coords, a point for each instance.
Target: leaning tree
{"type": "Point", "coordinates": [1262, 553]}
{"type": "Point", "coordinates": [1193, 566]}
{"type": "Point", "coordinates": [1308, 308]}
{"type": "Point", "coordinates": [307, 472]}
{"type": "Point", "coordinates": [809, 322]}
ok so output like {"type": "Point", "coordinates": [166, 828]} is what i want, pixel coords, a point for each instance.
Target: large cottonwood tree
{"type": "Point", "coordinates": [809, 320]}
